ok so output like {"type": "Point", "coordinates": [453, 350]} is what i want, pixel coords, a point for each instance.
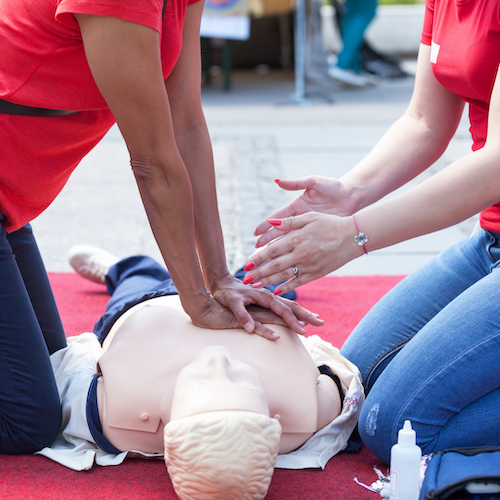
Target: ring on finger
{"type": "Point", "coordinates": [295, 270]}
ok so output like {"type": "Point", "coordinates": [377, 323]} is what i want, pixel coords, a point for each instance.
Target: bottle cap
{"type": "Point", "coordinates": [407, 435]}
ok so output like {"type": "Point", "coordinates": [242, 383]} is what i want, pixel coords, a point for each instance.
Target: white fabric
{"type": "Point", "coordinates": [75, 365]}
{"type": "Point", "coordinates": [333, 438]}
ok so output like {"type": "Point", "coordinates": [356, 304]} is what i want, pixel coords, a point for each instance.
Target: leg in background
{"type": "Point", "coordinates": [358, 15]}
{"type": "Point", "coordinates": [132, 281]}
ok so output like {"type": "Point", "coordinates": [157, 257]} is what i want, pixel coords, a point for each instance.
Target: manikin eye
{"type": "Point", "coordinates": [246, 384]}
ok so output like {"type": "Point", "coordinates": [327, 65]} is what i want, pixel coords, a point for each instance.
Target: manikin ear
{"type": "Point", "coordinates": [329, 404]}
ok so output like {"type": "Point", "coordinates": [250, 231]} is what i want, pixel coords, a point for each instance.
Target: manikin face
{"type": "Point", "coordinates": [215, 381]}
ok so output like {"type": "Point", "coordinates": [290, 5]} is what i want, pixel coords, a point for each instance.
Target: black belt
{"type": "Point", "coordinates": [9, 108]}
{"type": "Point", "coordinates": [326, 370]}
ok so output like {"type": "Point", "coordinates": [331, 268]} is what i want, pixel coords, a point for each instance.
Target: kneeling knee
{"type": "Point", "coordinates": [31, 436]}
{"type": "Point", "coordinates": [376, 431]}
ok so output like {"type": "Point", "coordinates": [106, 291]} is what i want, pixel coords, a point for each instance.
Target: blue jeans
{"type": "Point", "coordinates": [356, 18]}
{"type": "Point", "coordinates": [30, 330]}
{"type": "Point", "coordinates": [136, 279]}
{"type": "Point", "coordinates": [429, 351]}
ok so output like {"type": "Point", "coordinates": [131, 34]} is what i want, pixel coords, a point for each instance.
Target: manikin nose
{"type": "Point", "coordinates": [218, 360]}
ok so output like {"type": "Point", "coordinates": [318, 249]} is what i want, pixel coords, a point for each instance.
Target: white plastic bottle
{"type": "Point", "coordinates": [405, 465]}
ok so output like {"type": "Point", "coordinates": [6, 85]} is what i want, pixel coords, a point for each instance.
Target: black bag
{"type": "Point", "coordinates": [463, 474]}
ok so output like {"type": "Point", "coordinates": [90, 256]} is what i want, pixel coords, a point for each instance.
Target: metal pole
{"type": "Point", "coordinates": [299, 97]}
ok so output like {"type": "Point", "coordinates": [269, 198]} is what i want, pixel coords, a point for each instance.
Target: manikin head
{"type": "Point", "coordinates": [220, 442]}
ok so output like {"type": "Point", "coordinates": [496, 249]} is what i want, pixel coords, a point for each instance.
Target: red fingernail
{"type": "Point", "coordinates": [247, 280]}
{"type": "Point", "coordinates": [275, 222]}
{"type": "Point", "coordinates": [277, 180]}
{"type": "Point", "coordinates": [278, 292]}
{"type": "Point", "coordinates": [249, 266]}
{"type": "Point", "coordinates": [257, 284]}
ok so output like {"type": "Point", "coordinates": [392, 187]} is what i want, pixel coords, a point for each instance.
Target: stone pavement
{"type": "Point", "coordinates": [258, 135]}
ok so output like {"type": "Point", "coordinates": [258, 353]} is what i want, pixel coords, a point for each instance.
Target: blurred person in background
{"type": "Point", "coordinates": [354, 17]}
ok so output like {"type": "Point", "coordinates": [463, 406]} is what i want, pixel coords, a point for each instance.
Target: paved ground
{"type": "Point", "coordinates": [258, 134]}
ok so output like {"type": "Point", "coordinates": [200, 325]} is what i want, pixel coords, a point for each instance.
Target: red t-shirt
{"type": "Point", "coordinates": [43, 64]}
{"type": "Point", "coordinates": [465, 52]}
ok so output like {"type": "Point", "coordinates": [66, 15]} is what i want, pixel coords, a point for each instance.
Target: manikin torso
{"type": "Point", "coordinates": [151, 343]}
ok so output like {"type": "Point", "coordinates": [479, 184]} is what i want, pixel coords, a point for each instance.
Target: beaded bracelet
{"type": "Point", "coordinates": [361, 238]}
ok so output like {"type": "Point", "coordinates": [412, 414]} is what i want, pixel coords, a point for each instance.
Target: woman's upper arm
{"type": "Point", "coordinates": [125, 62]}
{"type": "Point", "coordinates": [184, 83]}
{"type": "Point", "coordinates": [440, 109]}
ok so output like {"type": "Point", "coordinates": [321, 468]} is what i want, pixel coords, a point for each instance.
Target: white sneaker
{"type": "Point", "coordinates": [91, 262]}
{"type": "Point", "coordinates": [350, 77]}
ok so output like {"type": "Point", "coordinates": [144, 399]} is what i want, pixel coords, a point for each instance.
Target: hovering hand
{"type": "Point", "coordinates": [321, 194]}
{"type": "Point", "coordinates": [311, 245]}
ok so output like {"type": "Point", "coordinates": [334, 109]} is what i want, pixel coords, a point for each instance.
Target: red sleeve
{"type": "Point", "coordinates": [191, 2]}
{"type": "Point", "coordinates": [428, 18]}
{"type": "Point", "coordinates": [146, 12]}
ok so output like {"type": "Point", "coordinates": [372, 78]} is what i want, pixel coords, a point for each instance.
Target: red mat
{"type": "Point", "coordinates": [341, 302]}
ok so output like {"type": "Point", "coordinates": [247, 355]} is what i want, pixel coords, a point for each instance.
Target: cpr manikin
{"type": "Point", "coordinates": [223, 407]}
{"type": "Point", "coordinates": [159, 368]}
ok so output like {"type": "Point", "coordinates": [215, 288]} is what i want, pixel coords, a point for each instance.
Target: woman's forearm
{"type": "Point", "coordinates": [458, 192]}
{"type": "Point", "coordinates": [318, 244]}
{"type": "Point", "coordinates": [168, 201]}
{"type": "Point", "coordinates": [413, 143]}
{"type": "Point", "coordinates": [125, 61]}
{"type": "Point", "coordinates": [193, 142]}
{"type": "Point", "coordinates": [196, 151]}
{"type": "Point", "coordinates": [407, 149]}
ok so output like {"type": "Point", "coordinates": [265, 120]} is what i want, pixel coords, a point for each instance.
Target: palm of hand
{"type": "Point", "coordinates": [327, 198]}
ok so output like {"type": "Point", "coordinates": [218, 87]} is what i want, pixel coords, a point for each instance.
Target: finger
{"type": "Point", "coordinates": [288, 210]}
{"type": "Point", "coordinates": [266, 299]}
{"type": "Point", "coordinates": [263, 315]}
{"type": "Point", "coordinates": [287, 274]}
{"type": "Point", "coordinates": [283, 212]}
{"type": "Point", "coordinates": [288, 286]}
{"type": "Point", "coordinates": [280, 245]}
{"type": "Point", "coordinates": [296, 184]}
{"type": "Point", "coordinates": [277, 270]}
{"type": "Point", "coordinates": [304, 314]}
{"type": "Point", "coordinates": [268, 236]}
{"type": "Point", "coordinates": [274, 262]}
{"type": "Point", "coordinates": [243, 317]}
{"type": "Point", "coordinates": [265, 332]}
{"type": "Point", "coordinates": [274, 271]}
{"type": "Point", "coordinates": [287, 224]}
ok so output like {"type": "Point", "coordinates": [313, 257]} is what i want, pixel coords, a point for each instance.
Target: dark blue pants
{"type": "Point", "coordinates": [136, 279]}
{"type": "Point", "coordinates": [30, 330]}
